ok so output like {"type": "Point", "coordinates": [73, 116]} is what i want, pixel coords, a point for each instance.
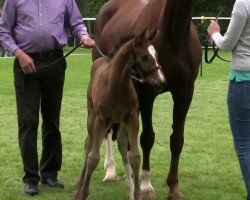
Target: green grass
{"type": "Point", "coordinates": [208, 168]}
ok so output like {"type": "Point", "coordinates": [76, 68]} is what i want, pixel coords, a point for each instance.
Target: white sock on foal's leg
{"type": "Point", "coordinates": [129, 181]}
{"type": "Point", "coordinates": [109, 163]}
{"type": "Point", "coordinates": [146, 186]}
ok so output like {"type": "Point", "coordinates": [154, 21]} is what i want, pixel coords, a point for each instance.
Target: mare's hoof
{"type": "Point", "coordinates": [175, 196]}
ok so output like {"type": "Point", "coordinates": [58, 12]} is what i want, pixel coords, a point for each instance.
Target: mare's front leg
{"type": "Point", "coordinates": [147, 141]}
{"type": "Point", "coordinates": [182, 99]}
{"type": "Point", "coordinates": [109, 163]}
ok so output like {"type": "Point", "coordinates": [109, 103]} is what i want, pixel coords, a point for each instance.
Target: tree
{"type": "Point", "coordinates": [1, 3]}
{"type": "Point", "coordinates": [90, 8]}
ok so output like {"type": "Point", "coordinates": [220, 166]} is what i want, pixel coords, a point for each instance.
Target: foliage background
{"type": "Point", "coordinates": [90, 8]}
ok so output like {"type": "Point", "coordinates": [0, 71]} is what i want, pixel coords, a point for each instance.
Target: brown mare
{"type": "Point", "coordinates": [179, 54]}
{"type": "Point", "coordinates": [112, 99]}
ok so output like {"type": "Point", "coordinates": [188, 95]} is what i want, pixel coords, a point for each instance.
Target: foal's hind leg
{"type": "Point", "coordinates": [109, 163]}
{"type": "Point", "coordinates": [92, 159]}
{"type": "Point", "coordinates": [87, 148]}
{"type": "Point", "coordinates": [122, 141]}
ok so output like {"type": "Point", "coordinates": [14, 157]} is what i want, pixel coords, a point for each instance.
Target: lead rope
{"type": "Point", "coordinates": [208, 39]}
{"type": "Point", "coordinates": [51, 65]}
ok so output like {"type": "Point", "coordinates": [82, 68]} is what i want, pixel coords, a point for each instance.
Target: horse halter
{"type": "Point", "coordinates": [141, 77]}
{"type": "Point", "coordinates": [208, 38]}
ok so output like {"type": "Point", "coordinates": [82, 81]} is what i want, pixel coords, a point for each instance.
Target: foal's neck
{"type": "Point", "coordinates": [121, 64]}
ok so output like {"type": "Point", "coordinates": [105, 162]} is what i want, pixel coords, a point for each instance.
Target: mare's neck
{"type": "Point", "coordinates": [176, 20]}
{"type": "Point", "coordinates": [121, 65]}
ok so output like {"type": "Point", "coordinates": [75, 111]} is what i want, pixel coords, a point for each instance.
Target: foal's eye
{"type": "Point", "coordinates": [144, 58]}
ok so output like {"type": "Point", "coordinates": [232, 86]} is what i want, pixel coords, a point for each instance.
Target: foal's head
{"type": "Point", "coordinates": [147, 68]}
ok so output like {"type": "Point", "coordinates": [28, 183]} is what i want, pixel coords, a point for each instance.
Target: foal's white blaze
{"type": "Point", "coordinates": [152, 52]}
{"type": "Point", "coordinates": [146, 186]}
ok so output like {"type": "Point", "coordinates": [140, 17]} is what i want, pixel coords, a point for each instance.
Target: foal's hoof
{"type": "Point", "coordinates": [148, 194]}
{"type": "Point", "coordinates": [110, 177]}
{"type": "Point", "coordinates": [175, 196]}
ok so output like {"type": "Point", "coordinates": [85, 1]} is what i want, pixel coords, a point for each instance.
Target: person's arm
{"type": "Point", "coordinates": [76, 24]}
{"type": "Point", "coordinates": [234, 31]}
{"type": "Point", "coordinates": [7, 23]}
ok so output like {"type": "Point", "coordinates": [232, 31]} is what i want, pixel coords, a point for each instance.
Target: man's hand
{"type": "Point", "coordinates": [86, 41]}
{"type": "Point", "coordinates": [26, 62]}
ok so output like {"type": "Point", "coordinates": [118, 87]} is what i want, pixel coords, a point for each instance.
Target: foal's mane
{"type": "Point", "coordinates": [119, 45]}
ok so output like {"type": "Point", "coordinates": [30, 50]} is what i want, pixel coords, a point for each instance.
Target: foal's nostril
{"type": "Point", "coordinates": [161, 86]}
{"type": "Point", "coordinates": [163, 83]}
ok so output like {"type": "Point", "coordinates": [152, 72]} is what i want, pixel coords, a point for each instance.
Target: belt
{"type": "Point", "coordinates": [233, 80]}
{"type": "Point", "coordinates": [47, 55]}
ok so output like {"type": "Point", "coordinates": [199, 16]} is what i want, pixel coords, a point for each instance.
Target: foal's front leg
{"type": "Point", "coordinates": [122, 141]}
{"type": "Point", "coordinates": [132, 128]}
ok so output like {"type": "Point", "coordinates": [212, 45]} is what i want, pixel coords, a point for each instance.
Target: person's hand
{"type": "Point", "coordinates": [214, 27]}
{"type": "Point", "coordinates": [86, 41]}
{"type": "Point", "coordinates": [26, 62]}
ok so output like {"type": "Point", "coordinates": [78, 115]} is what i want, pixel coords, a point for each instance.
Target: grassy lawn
{"type": "Point", "coordinates": [208, 168]}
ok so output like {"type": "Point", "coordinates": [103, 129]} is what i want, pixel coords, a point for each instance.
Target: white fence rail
{"type": "Point", "coordinates": [88, 20]}
{"type": "Point", "coordinates": [200, 22]}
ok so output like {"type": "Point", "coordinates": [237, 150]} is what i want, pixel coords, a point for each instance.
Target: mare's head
{"type": "Point", "coordinates": [146, 67]}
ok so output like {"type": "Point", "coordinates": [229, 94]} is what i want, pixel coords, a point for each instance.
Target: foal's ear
{"type": "Point", "coordinates": [139, 39]}
{"type": "Point", "coordinates": [151, 34]}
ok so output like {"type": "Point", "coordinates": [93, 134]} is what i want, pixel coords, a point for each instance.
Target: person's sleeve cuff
{"type": "Point", "coordinates": [216, 37]}
{"type": "Point", "coordinates": [13, 48]}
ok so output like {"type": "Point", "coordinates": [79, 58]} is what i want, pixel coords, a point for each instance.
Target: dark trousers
{"type": "Point", "coordinates": [2, 51]}
{"type": "Point", "coordinates": [239, 117]}
{"type": "Point", "coordinates": [41, 91]}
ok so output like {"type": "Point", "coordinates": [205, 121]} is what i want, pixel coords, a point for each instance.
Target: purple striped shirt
{"type": "Point", "coordinates": [39, 25]}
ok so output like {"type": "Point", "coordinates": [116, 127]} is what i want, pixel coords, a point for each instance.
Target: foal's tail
{"type": "Point", "coordinates": [114, 131]}
{"type": "Point", "coordinates": [115, 128]}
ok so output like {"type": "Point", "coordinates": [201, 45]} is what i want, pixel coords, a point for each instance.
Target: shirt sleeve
{"type": "Point", "coordinates": [74, 20]}
{"type": "Point", "coordinates": [235, 28]}
{"type": "Point", "coordinates": [7, 23]}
